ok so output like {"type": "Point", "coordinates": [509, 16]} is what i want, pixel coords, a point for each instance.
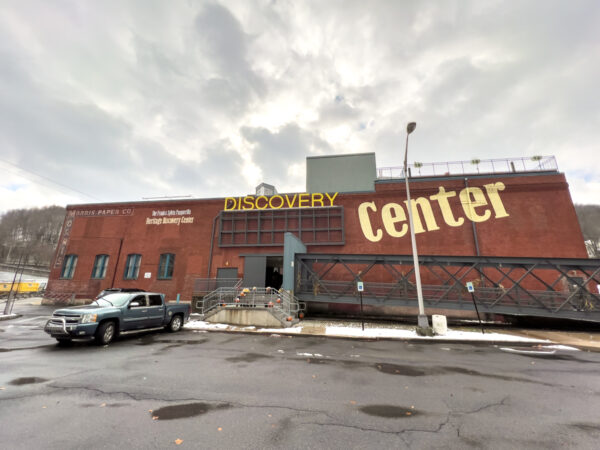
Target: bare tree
{"type": "Point", "coordinates": [589, 220]}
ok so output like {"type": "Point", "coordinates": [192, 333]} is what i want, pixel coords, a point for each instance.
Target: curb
{"type": "Point", "coordinates": [9, 317]}
{"type": "Point", "coordinates": [423, 340]}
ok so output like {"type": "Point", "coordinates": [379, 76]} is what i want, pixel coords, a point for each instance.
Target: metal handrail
{"type": "Point", "coordinates": [475, 166]}
{"type": "Point", "coordinates": [280, 302]}
{"type": "Point", "coordinates": [210, 284]}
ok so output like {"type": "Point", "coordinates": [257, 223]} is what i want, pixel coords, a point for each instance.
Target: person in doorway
{"type": "Point", "coordinates": [277, 278]}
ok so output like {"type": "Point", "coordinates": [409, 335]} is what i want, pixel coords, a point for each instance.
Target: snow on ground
{"type": "Point", "coordinates": [8, 316]}
{"type": "Point", "coordinates": [451, 335]}
{"type": "Point", "coordinates": [201, 325]}
{"type": "Point", "coordinates": [369, 332]}
{"type": "Point", "coordinates": [562, 347]}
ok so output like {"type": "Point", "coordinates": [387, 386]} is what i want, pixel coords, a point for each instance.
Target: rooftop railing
{"type": "Point", "coordinates": [474, 166]}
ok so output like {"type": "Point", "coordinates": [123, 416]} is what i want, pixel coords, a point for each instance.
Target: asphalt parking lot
{"type": "Point", "coordinates": [218, 390]}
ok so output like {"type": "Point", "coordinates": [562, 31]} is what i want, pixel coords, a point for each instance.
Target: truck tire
{"type": "Point", "coordinates": [175, 323]}
{"type": "Point", "coordinates": [105, 333]}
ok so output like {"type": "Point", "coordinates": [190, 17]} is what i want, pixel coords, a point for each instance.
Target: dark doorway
{"type": "Point", "coordinates": [263, 271]}
{"type": "Point", "coordinates": [274, 272]}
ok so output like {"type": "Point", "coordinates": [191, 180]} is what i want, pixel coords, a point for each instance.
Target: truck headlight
{"type": "Point", "coordinates": [88, 318]}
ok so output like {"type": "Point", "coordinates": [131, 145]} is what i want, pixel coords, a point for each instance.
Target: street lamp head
{"type": "Point", "coordinates": [411, 127]}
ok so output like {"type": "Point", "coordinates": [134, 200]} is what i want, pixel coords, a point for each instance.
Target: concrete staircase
{"type": "Point", "coordinates": [262, 307]}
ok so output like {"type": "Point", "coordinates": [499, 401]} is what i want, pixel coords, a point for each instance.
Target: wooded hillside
{"type": "Point", "coordinates": [32, 233]}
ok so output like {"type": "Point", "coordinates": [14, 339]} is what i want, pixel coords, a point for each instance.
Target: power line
{"type": "Point", "coordinates": [48, 179]}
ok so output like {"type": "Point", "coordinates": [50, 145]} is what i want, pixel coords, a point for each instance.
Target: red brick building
{"type": "Point", "coordinates": [166, 246]}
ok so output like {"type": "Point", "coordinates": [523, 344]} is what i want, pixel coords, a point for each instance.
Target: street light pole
{"type": "Point", "coordinates": [422, 322]}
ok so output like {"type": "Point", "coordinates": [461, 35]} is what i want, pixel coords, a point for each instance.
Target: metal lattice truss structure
{"type": "Point", "coordinates": [545, 287]}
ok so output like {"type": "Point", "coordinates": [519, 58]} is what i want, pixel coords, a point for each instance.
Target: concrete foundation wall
{"type": "Point", "coordinates": [245, 317]}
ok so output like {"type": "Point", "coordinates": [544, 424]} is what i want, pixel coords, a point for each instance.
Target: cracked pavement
{"type": "Point", "coordinates": [217, 390]}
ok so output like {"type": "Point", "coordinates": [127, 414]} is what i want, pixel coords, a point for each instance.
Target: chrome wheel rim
{"type": "Point", "coordinates": [108, 333]}
{"type": "Point", "coordinates": [176, 323]}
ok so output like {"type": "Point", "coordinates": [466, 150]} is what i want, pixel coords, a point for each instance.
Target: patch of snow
{"type": "Point", "coordinates": [411, 334]}
{"type": "Point", "coordinates": [527, 352]}
{"type": "Point", "coordinates": [8, 316]}
{"type": "Point", "coordinates": [562, 347]}
{"type": "Point", "coordinates": [201, 325]}
{"type": "Point", "coordinates": [294, 330]}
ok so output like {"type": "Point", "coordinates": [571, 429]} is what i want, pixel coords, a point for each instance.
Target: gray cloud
{"type": "Point", "coordinates": [277, 150]}
{"type": "Point", "coordinates": [132, 99]}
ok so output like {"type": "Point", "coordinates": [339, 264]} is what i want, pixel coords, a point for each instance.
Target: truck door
{"type": "Point", "coordinates": [135, 315]}
{"type": "Point", "coordinates": [156, 311]}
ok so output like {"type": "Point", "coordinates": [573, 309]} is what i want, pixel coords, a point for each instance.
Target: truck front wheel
{"type": "Point", "coordinates": [105, 333]}
{"type": "Point", "coordinates": [175, 324]}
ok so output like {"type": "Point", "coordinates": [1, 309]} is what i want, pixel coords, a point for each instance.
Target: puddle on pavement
{"type": "Point", "coordinates": [5, 350]}
{"type": "Point", "coordinates": [410, 371]}
{"type": "Point", "coordinates": [555, 357]}
{"type": "Point", "coordinates": [186, 410]}
{"type": "Point", "coordinates": [389, 411]}
{"type": "Point", "coordinates": [248, 357]}
{"type": "Point", "coordinates": [104, 405]}
{"type": "Point", "coordinates": [146, 340]}
{"type": "Point", "coordinates": [587, 427]}
{"type": "Point", "coordinates": [150, 339]}
{"type": "Point", "coordinates": [26, 380]}
{"type": "Point", "coordinates": [396, 369]}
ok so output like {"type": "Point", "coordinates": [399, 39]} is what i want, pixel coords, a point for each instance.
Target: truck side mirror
{"type": "Point", "coordinates": [134, 304]}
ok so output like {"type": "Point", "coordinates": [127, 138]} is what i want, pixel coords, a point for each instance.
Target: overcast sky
{"type": "Point", "coordinates": [116, 101]}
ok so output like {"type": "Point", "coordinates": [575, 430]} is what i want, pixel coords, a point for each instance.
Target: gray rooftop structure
{"type": "Point", "coordinates": [354, 172]}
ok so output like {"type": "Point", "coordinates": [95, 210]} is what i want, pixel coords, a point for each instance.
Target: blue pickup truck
{"type": "Point", "coordinates": [117, 313]}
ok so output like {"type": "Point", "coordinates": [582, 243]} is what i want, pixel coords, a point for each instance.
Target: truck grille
{"type": "Point", "coordinates": [69, 318]}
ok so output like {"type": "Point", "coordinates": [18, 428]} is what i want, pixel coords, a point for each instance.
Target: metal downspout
{"type": "Point", "coordinates": [112, 283]}
{"type": "Point", "coordinates": [212, 241]}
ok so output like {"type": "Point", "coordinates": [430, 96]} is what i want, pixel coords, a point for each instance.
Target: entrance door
{"type": "Point", "coordinates": [263, 271]}
{"type": "Point", "coordinates": [255, 267]}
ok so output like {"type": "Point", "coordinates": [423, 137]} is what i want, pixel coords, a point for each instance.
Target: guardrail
{"type": "Point", "coordinates": [280, 303]}
{"type": "Point", "coordinates": [474, 166]}
{"type": "Point", "coordinates": [203, 285]}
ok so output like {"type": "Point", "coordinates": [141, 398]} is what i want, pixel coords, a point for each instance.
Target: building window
{"type": "Point", "coordinates": [132, 267]}
{"type": "Point", "coordinates": [165, 266]}
{"type": "Point", "coordinates": [68, 268]}
{"type": "Point", "coordinates": [100, 264]}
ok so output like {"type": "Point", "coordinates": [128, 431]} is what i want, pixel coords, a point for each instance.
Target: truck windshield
{"type": "Point", "coordinates": [116, 299]}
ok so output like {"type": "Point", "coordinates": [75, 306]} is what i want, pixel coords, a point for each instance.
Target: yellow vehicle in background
{"type": "Point", "coordinates": [24, 288]}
